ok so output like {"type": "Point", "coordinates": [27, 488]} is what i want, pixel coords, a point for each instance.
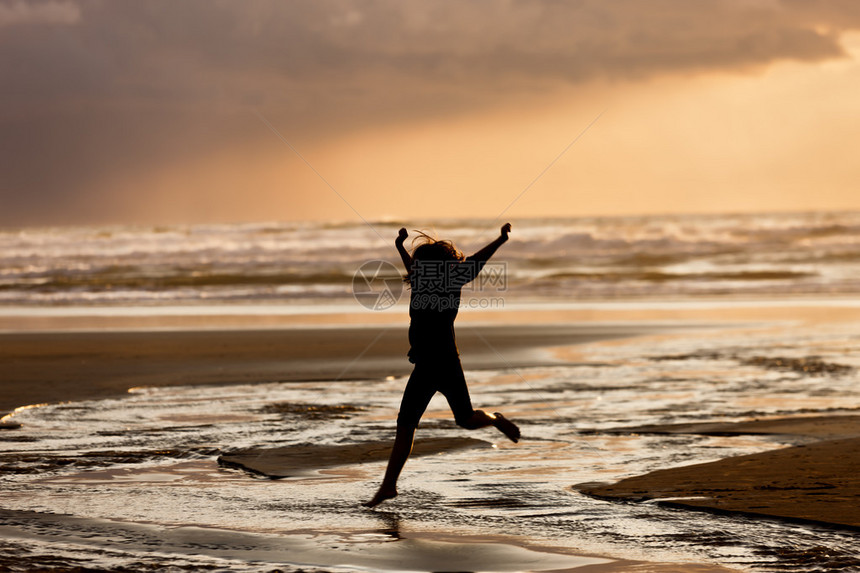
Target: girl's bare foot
{"type": "Point", "coordinates": [381, 496]}
{"type": "Point", "coordinates": [507, 427]}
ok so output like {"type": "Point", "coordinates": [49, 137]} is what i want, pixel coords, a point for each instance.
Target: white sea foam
{"type": "Point", "coordinates": [596, 258]}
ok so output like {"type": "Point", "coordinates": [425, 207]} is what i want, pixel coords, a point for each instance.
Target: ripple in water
{"type": "Point", "coordinates": [93, 483]}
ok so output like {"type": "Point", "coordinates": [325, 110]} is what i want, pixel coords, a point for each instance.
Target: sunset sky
{"type": "Point", "coordinates": [153, 112]}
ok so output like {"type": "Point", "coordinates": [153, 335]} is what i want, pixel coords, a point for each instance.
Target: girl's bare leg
{"type": "Point", "coordinates": [481, 419]}
{"type": "Point", "coordinates": [399, 454]}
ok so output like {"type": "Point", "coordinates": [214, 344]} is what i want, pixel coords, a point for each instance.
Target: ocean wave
{"type": "Point", "coordinates": [656, 276]}
{"type": "Point", "coordinates": [798, 252]}
{"type": "Point", "coordinates": [122, 279]}
{"type": "Point", "coordinates": [794, 234]}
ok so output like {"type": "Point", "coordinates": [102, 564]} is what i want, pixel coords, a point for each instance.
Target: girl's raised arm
{"type": "Point", "coordinates": [484, 254]}
{"type": "Point", "coordinates": [404, 254]}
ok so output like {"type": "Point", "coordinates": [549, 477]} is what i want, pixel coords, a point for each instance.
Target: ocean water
{"type": "Point", "coordinates": [293, 263]}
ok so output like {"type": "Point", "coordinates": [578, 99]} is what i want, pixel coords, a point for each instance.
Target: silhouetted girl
{"type": "Point", "coordinates": [436, 272]}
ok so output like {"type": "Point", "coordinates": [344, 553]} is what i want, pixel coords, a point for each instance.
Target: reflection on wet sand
{"type": "Point", "coordinates": [148, 459]}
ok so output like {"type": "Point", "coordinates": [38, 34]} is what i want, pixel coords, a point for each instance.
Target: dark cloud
{"type": "Point", "coordinates": [50, 12]}
{"type": "Point", "coordinates": [96, 89]}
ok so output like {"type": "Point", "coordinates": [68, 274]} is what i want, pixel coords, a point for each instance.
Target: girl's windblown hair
{"type": "Point", "coordinates": [431, 249]}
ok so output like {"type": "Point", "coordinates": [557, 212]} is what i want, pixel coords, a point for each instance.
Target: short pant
{"type": "Point", "coordinates": [445, 376]}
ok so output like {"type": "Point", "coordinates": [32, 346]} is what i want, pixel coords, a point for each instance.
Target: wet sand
{"type": "Point", "coordinates": [803, 483]}
{"type": "Point", "coordinates": [48, 357]}
{"type": "Point", "coordinates": [362, 550]}
{"type": "Point", "coordinates": [293, 461]}
{"type": "Point", "coordinates": [55, 366]}
{"type": "Point", "coordinates": [817, 482]}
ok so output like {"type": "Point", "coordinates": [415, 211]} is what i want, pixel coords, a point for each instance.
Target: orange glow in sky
{"type": "Point", "coordinates": [754, 130]}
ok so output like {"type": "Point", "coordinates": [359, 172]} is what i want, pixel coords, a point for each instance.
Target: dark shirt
{"type": "Point", "coordinates": [436, 291]}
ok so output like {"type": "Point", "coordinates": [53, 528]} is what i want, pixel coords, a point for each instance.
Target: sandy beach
{"type": "Point", "coordinates": [60, 365]}
{"type": "Point", "coordinates": [52, 357]}
{"type": "Point", "coordinates": [814, 483]}
{"type": "Point", "coordinates": [802, 470]}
